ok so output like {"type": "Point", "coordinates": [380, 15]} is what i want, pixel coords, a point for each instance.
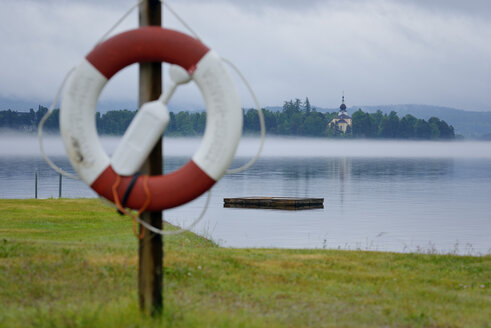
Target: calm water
{"type": "Point", "coordinates": [394, 196]}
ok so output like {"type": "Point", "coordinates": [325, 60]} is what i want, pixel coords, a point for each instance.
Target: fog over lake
{"type": "Point", "coordinates": [18, 145]}
{"type": "Point", "coordinates": [398, 196]}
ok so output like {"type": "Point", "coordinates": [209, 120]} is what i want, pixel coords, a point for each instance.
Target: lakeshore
{"type": "Point", "coordinates": [73, 262]}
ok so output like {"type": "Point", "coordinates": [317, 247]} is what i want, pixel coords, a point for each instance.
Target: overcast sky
{"type": "Point", "coordinates": [379, 52]}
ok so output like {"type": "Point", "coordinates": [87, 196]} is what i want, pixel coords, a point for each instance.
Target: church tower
{"type": "Point", "coordinates": [343, 120]}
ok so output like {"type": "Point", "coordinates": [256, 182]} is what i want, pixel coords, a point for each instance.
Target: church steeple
{"type": "Point", "coordinates": [343, 106]}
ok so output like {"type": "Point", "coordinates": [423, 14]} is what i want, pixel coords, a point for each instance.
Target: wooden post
{"type": "Point", "coordinates": [150, 271]}
{"type": "Point", "coordinates": [59, 186]}
{"type": "Point", "coordinates": [36, 184]}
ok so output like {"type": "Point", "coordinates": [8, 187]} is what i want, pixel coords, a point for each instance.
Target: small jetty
{"type": "Point", "coordinates": [279, 203]}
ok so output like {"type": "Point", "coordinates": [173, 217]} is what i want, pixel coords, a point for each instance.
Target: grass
{"type": "Point", "coordinates": [73, 263]}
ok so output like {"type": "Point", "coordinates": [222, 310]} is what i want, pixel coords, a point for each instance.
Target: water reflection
{"type": "Point", "coordinates": [396, 168]}
{"type": "Point", "coordinates": [345, 168]}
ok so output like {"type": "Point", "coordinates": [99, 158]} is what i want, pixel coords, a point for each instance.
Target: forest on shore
{"type": "Point", "coordinates": [296, 118]}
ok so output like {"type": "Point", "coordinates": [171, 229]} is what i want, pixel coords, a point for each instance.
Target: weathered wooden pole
{"type": "Point", "coordinates": [36, 184]}
{"type": "Point", "coordinates": [150, 272]}
{"type": "Point", "coordinates": [59, 185]}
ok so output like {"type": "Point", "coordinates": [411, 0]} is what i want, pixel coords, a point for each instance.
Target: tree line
{"type": "Point", "coordinates": [301, 119]}
{"type": "Point", "coordinates": [113, 122]}
{"type": "Point", "coordinates": [296, 118]}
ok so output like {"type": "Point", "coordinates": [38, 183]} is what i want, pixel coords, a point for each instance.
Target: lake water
{"type": "Point", "coordinates": [378, 195]}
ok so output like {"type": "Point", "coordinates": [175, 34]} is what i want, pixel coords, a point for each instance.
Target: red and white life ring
{"type": "Point", "coordinates": [223, 123]}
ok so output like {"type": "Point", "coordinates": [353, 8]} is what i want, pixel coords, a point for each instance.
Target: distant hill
{"type": "Point", "coordinates": [102, 106]}
{"type": "Point", "coordinates": [467, 123]}
{"type": "Point", "coordinates": [20, 105]}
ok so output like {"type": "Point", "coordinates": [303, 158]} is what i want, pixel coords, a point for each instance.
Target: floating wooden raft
{"type": "Point", "coordinates": [282, 203]}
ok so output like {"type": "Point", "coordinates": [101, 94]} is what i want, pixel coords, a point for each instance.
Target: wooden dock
{"type": "Point", "coordinates": [280, 203]}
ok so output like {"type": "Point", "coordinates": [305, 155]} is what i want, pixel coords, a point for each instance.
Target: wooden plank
{"type": "Point", "coordinates": [286, 203]}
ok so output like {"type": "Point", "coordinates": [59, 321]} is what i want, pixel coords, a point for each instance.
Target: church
{"type": "Point", "coordinates": [343, 121]}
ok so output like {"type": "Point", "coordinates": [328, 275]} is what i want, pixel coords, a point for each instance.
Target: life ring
{"type": "Point", "coordinates": [223, 122]}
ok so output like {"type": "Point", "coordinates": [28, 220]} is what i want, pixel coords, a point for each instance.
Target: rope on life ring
{"type": "Point", "coordinates": [82, 144]}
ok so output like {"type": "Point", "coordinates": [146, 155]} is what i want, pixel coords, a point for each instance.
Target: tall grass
{"type": "Point", "coordinates": [73, 263]}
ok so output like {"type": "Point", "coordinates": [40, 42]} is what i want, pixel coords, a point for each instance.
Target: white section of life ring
{"type": "Point", "coordinates": [77, 122]}
{"type": "Point", "coordinates": [223, 116]}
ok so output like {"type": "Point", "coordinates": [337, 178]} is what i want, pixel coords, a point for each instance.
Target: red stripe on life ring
{"type": "Point", "coordinates": [166, 191]}
{"type": "Point", "coordinates": [147, 44]}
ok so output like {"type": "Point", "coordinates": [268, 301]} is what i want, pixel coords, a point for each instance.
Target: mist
{"type": "Point", "coordinates": [12, 144]}
{"type": "Point", "coordinates": [317, 147]}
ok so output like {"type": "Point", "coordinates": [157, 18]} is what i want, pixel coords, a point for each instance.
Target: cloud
{"type": "Point", "coordinates": [476, 8]}
{"type": "Point", "coordinates": [379, 52]}
{"type": "Point", "coordinates": [42, 41]}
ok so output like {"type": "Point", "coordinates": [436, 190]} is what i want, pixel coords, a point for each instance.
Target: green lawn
{"type": "Point", "coordinates": [72, 263]}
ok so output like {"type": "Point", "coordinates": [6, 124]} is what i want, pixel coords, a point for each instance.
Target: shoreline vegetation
{"type": "Point", "coordinates": [296, 118]}
{"type": "Point", "coordinates": [73, 263]}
